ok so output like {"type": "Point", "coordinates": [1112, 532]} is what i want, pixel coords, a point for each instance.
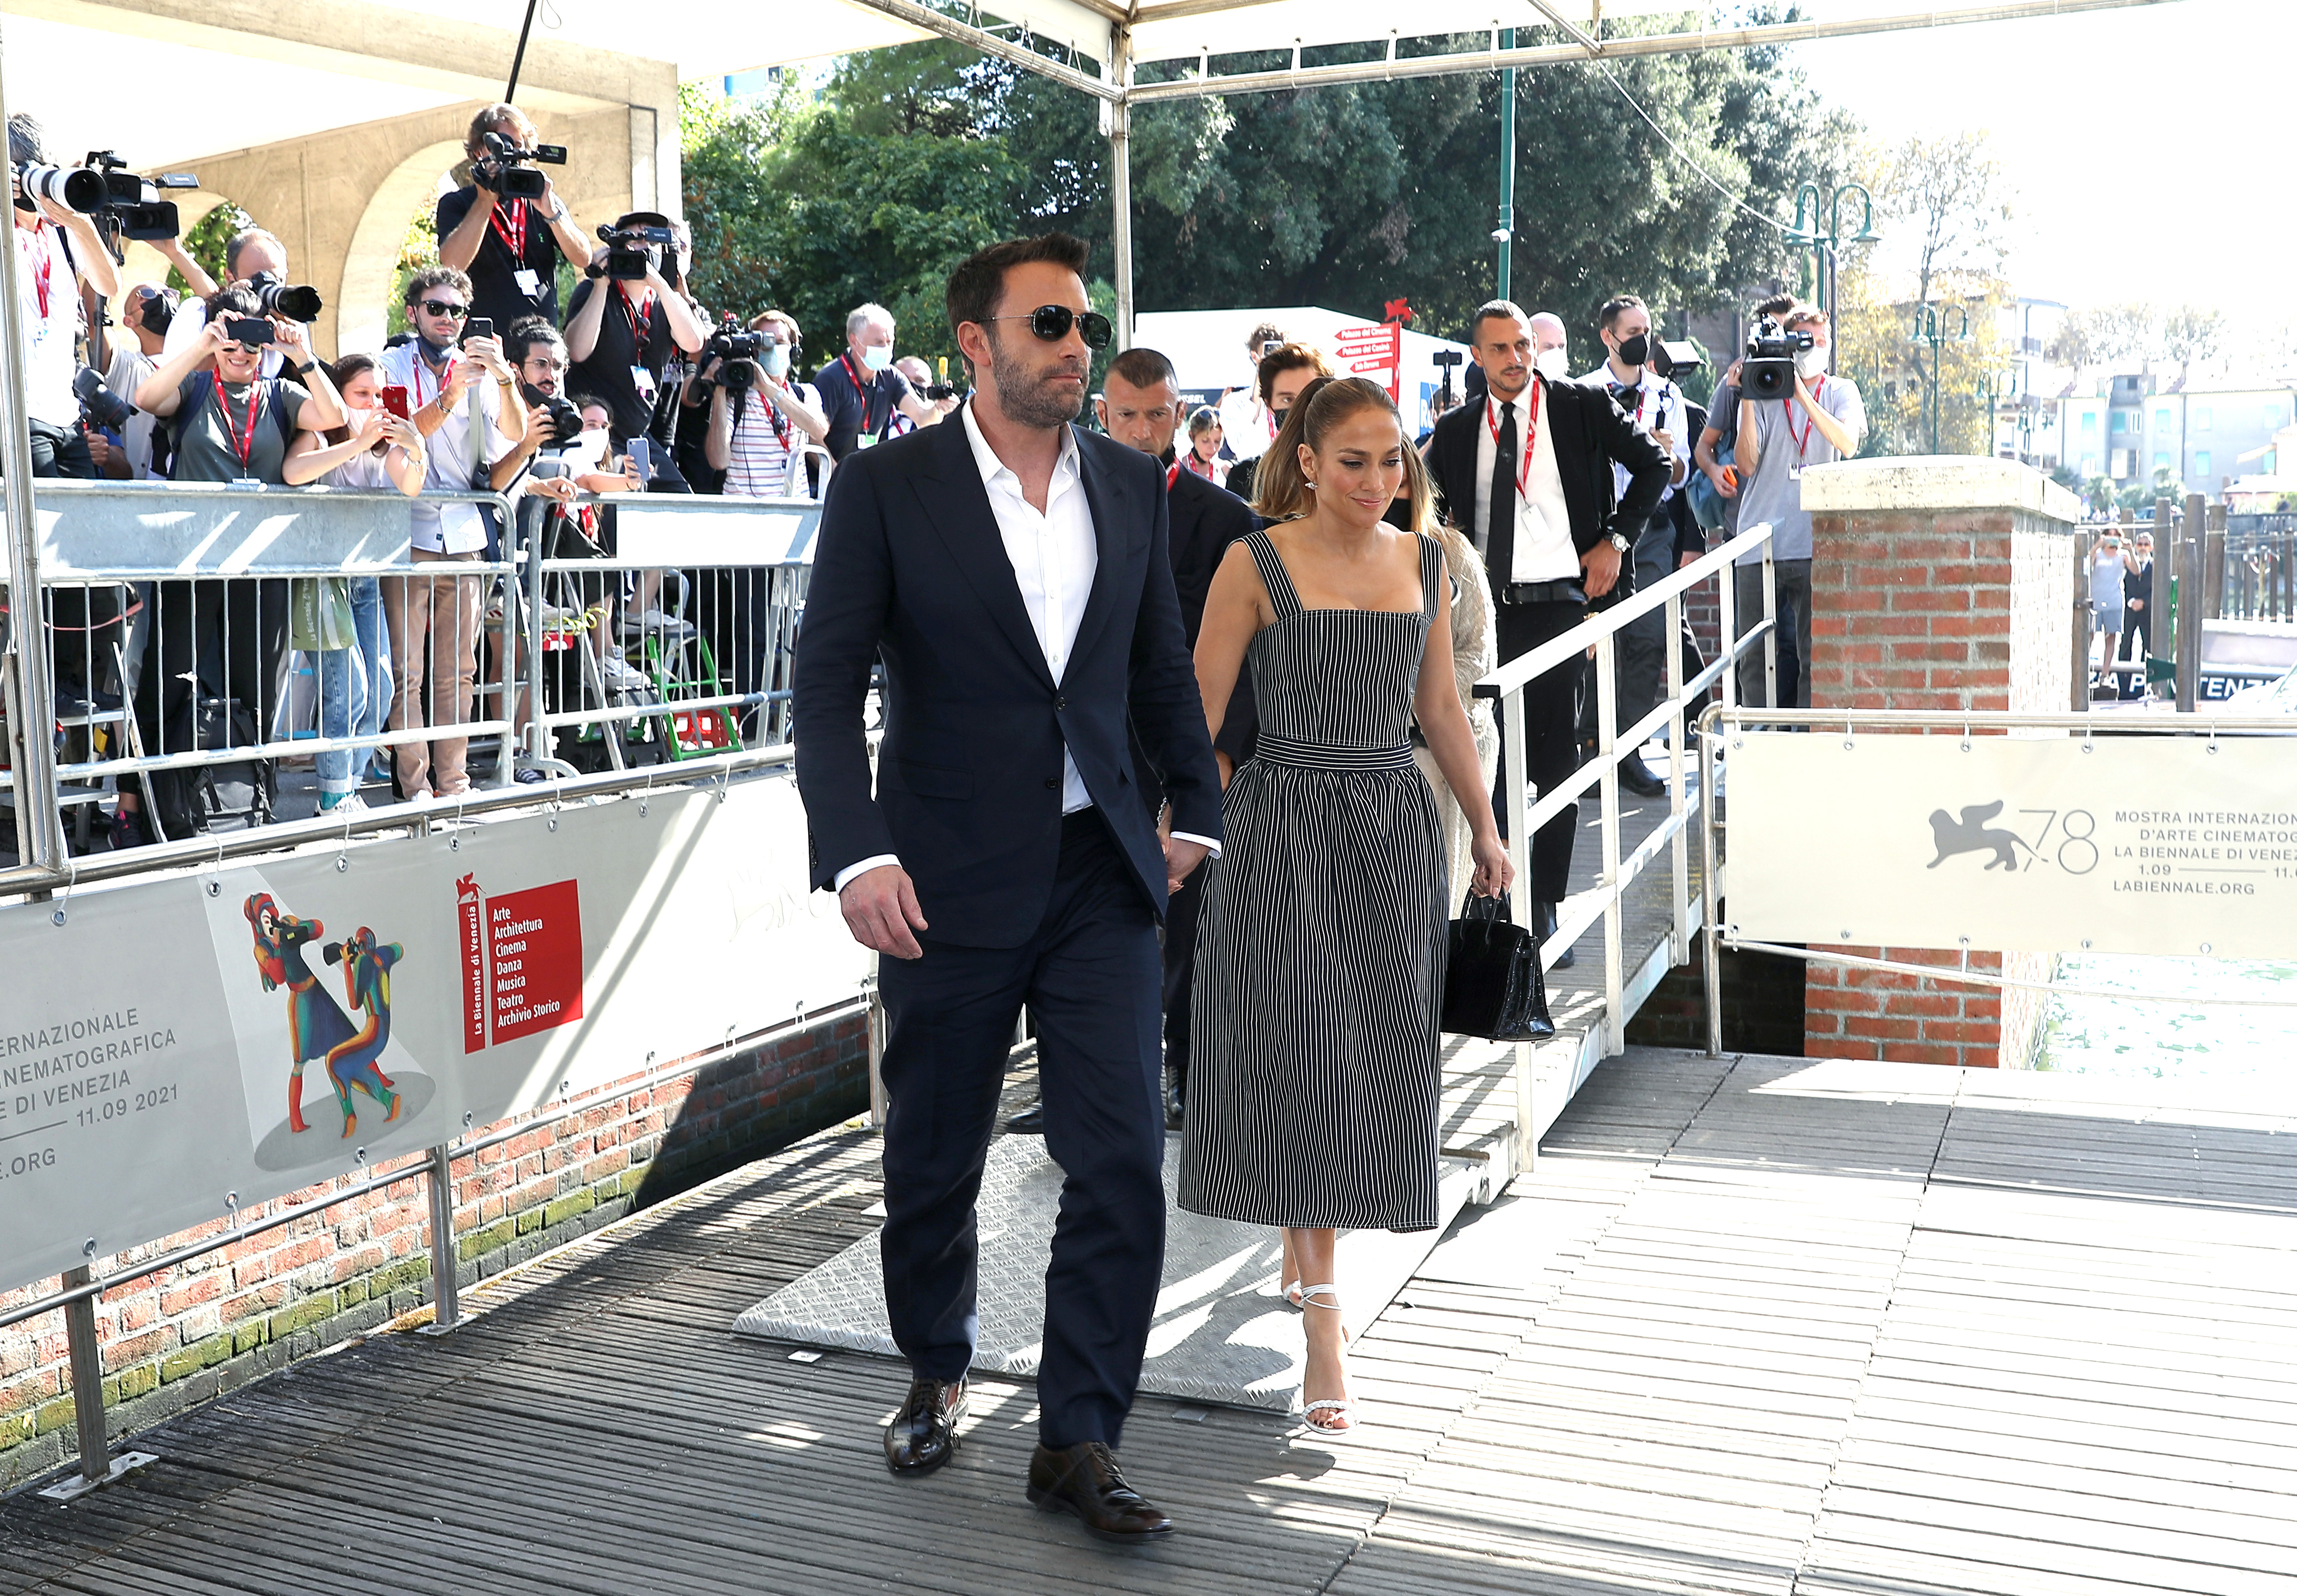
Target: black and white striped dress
{"type": "Point", "coordinates": [1313, 1083]}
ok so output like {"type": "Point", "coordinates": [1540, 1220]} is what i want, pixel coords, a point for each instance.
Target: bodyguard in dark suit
{"type": "Point", "coordinates": [1012, 572]}
{"type": "Point", "coordinates": [1527, 475]}
{"type": "Point", "coordinates": [1141, 408]}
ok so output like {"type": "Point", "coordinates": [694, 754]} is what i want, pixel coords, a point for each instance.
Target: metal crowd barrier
{"type": "Point", "coordinates": [1599, 632]}
{"type": "Point", "coordinates": [564, 660]}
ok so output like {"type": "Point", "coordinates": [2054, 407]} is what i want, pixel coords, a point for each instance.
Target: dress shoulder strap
{"type": "Point", "coordinates": [1272, 574]}
{"type": "Point", "coordinates": [1432, 571]}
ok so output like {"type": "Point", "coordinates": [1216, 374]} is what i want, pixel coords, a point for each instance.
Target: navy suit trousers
{"type": "Point", "coordinates": [1091, 977]}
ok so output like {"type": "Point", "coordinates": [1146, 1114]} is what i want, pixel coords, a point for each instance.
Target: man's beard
{"type": "Point", "coordinates": [437, 350]}
{"type": "Point", "coordinates": [1027, 395]}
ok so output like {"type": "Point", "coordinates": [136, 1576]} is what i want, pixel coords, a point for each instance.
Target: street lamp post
{"type": "Point", "coordinates": [1504, 234]}
{"type": "Point", "coordinates": [1930, 331]}
{"type": "Point", "coordinates": [1820, 260]}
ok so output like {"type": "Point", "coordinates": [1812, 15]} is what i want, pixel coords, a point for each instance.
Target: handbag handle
{"type": "Point", "coordinates": [1477, 907]}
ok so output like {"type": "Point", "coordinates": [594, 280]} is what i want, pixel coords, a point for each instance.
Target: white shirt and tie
{"type": "Point", "coordinates": [1055, 557]}
{"type": "Point", "coordinates": [1544, 549]}
{"type": "Point", "coordinates": [1659, 407]}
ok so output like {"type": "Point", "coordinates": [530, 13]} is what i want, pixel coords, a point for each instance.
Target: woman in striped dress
{"type": "Point", "coordinates": [1314, 1082]}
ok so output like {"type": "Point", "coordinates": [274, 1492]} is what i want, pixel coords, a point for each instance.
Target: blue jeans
{"type": "Point", "coordinates": [354, 691]}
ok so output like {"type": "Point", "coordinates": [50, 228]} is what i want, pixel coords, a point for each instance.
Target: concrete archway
{"type": "Point", "coordinates": [371, 261]}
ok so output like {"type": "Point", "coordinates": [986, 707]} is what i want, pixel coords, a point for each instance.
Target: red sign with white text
{"type": "Point", "coordinates": [534, 948]}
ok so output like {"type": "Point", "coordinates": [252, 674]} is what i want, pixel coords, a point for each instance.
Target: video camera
{"type": "Point", "coordinates": [1768, 372]}
{"type": "Point", "coordinates": [736, 351]}
{"type": "Point", "coordinates": [102, 406]}
{"type": "Point", "coordinates": [132, 206]}
{"type": "Point", "coordinates": [122, 202]}
{"type": "Point", "coordinates": [509, 171]}
{"type": "Point", "coordinates": [297, 301]}
{"type": "Point", "coordinates": [630, 251]}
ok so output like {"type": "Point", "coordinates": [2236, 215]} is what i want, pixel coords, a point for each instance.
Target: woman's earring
{"type": "Point", "coordinates": [1310, 487]}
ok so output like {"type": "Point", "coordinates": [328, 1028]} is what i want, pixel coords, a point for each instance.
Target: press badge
{"type": "Point", "coordinates": [642, 380]}
{"type": "Point", "coordinates": [530, 284]}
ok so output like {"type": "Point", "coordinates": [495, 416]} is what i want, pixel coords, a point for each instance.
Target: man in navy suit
{"type": "Point", "coordinates": [1012, 570]}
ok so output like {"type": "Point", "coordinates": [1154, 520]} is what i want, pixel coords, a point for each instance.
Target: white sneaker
{"type": "Point", "coordinates": [350, 803]}
{"type": "Point", "coordinates": [655, 620]}
{"type": "Point", "coordinates": [619, 677]}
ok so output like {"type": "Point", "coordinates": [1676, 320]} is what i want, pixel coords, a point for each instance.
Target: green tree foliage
{"type": "Point", "coordinates": [1344, 196]}
{"type": "Point", "coordinates": [204, 243]}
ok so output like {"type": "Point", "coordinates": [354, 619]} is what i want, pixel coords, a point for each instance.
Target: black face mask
{"type": "Point", "coordinates": [1279, 415]}
{"type": "Point", "coordinates": [1635, 350]}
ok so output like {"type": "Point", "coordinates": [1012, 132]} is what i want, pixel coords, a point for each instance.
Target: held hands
{"type": "Point", "coordinates": [1601, 565]}
{"type": "Point", "coordinates": [1494, 870]}
{"type": "Point", "coordinates": [881, 909]}
{"type": "Point", "coordinates": [1182, 856]}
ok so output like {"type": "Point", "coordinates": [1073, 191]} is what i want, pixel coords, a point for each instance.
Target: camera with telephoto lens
{"type": "Point", "coordinates": [1768, 372]}
{"type": "Point", "coordinates": [509, 171]}
{"type": "Point", "coordinates": [73, 187]}
{"type": "Point", "coordinates": [132, 207]}
{"type": "Point", "coordinates": [630, 251]}
{"type": "Point", "coordinates": [297, 302]}
{"type": "Point", "coordinates": [102, 406]}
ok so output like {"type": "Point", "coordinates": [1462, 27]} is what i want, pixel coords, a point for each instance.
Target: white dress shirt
{"type": "Point", "coordinates": [1544, 549]}
{"type": "Point", "coordinates": [449, 457]}
{"type": "Point", "coordinates": [1657, 406]}
{"type": "Point", "coordinates": [1054, 556]}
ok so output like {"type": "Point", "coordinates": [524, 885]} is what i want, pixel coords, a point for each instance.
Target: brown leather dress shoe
{"type": "Point", "coordinates": [1085, 1480]}
{"type": "Point", "coordinates": [923, 1435]}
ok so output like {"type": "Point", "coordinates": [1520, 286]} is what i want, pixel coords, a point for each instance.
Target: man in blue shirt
{"type": "Point", "coordinates": [861, 391]}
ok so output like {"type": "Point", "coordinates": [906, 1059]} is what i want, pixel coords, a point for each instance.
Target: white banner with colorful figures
{"type": "Point", "coordinates": [2117, 844]}
{"type": "Point", "coordinates": [173, 1044]}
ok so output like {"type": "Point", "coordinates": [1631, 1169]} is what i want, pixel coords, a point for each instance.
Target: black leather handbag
{"type": "Point", "coordinates": [1492, 987]}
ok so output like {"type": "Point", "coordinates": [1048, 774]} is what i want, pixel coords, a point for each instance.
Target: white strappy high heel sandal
{"type": "Point", "coordinates": [1339, 1408]}
{"type": "Point", "coordinates": [1291, 1291]}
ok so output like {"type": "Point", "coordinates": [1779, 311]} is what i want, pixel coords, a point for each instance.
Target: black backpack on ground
{"type": "Point", "coordinates": [205, 800]}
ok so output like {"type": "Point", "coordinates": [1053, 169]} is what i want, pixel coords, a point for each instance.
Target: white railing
{"type": "Point", "coordinates": [1523, 817]}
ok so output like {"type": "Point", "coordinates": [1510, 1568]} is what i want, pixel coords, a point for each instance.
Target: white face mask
{"type": "Point", "coordinates": [1811, 362]}
{"type": "Point", "coordinates": [1554, 365]}
{"type": "Point", "coordinates": [776, 359]}
{"type": "Point", "coordinates": [877, 357]}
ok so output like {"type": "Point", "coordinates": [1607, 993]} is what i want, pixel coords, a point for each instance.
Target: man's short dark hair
{"type": "Point", "coordinates": [237, 245]}
{"type": "Point", "coordinates": [1487, 310]}
{"type": "Point", "coordinates": [1267, 331]}
{"type": "Point", "coordinates": [27, 139]}
{"type": "Point", "coordinates": [1616, 305]}
{"type": "Point", "coordinates": [1144, 368]}
{"type": "Point", "coordinates": [524, 333]}
{"type": "Point", "coordinates": [1288, 356]}
{"type": "Point", "coordinates": [978, 283]}
{"type": "Point", "coordinates": [1777, 305]}
{"type": "Point", "coordinates": [436, 277]}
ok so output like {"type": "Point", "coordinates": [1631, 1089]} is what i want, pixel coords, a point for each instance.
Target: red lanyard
{"type": "Point", "coordinates": [43, 266]}
{"type": "Point", "coordinates": [415, 378]}
{"type": "Point", "coordinates": [1810, 420]}
{"type": "Point", "coordinates": [242, 446]}
{"type": "Point", "coordinates": [1530, 436]}
{"type": "Point", "coordinates": [513, 233]}
{"type": "Point", "coordinates": [1172, 475]}
{"type": "Point", "coordinates": [774, 414]}
{"type": "Point", "coordinates": [641, 318]}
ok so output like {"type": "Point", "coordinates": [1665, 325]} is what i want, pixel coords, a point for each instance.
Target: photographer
{"type": "Point", "coordinates": [621, 329]}
{"type": "Point", "coordinates": [1246, 425]}
{"type": "Point", "coordinates": [145, 313]}
{"type": "Point", "coordinates": [253, 258]}
{"type": "Point", "coordinates": [861, 392]}
{"type": "Point", "coordinates": [57, 250]}
{"type": "Point", "coordinates": [465, 404]}
{"type": "Point", "coordinates": [509, 246]}
{"type": "Point", "coordinates": [757, 414]}
{"type": "Point", "coordinates": [1821, 419]}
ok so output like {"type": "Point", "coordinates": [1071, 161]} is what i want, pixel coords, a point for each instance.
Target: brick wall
{"type": "Point", "coordinates": [179, 1338]}
{"type": "Point", "coordinates": [1947, 609]}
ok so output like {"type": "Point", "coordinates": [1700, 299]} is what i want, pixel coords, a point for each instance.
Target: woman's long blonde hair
{"type": "Point", "coordinates": [1281, 492]}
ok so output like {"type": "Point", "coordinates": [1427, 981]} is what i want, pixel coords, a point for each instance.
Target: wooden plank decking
{"type": "Point", "coordinates": [1752, 1325]}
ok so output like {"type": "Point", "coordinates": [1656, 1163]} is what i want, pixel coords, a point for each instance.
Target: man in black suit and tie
{"type": "Point", "coordinates": [1527, 474]}
{"type": "Point", "coordinates": [1012, 570]}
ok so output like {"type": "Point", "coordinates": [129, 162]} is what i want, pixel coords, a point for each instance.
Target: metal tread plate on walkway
{"type": "Point", "coordinates": [1222, 1334]}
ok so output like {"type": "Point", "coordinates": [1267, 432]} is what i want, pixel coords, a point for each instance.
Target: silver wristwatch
{"type": "Point", "coordinates": [1622, 542]}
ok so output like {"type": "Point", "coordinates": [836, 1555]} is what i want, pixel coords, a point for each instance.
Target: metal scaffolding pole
{"type": "Point", "coordinates": [1506, 230]}
{"type": "Point", "coordinates": [1120, 167]}
{"type": "Point", "coordinates": [30, 706]}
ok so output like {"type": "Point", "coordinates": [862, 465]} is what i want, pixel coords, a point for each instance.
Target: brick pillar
{"type": "Point", "coordinates": [1943, 583]}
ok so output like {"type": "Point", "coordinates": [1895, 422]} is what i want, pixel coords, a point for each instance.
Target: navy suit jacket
{"type": "Point", "coordinates": [1205, 519]}
{"type": "Point", "coordinates": [910, 565]}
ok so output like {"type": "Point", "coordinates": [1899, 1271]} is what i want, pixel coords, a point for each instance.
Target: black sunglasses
{"type": "Point", "coordinates": [1052, 322]}
{"type": "Point", "coordinates": [441, 307]}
